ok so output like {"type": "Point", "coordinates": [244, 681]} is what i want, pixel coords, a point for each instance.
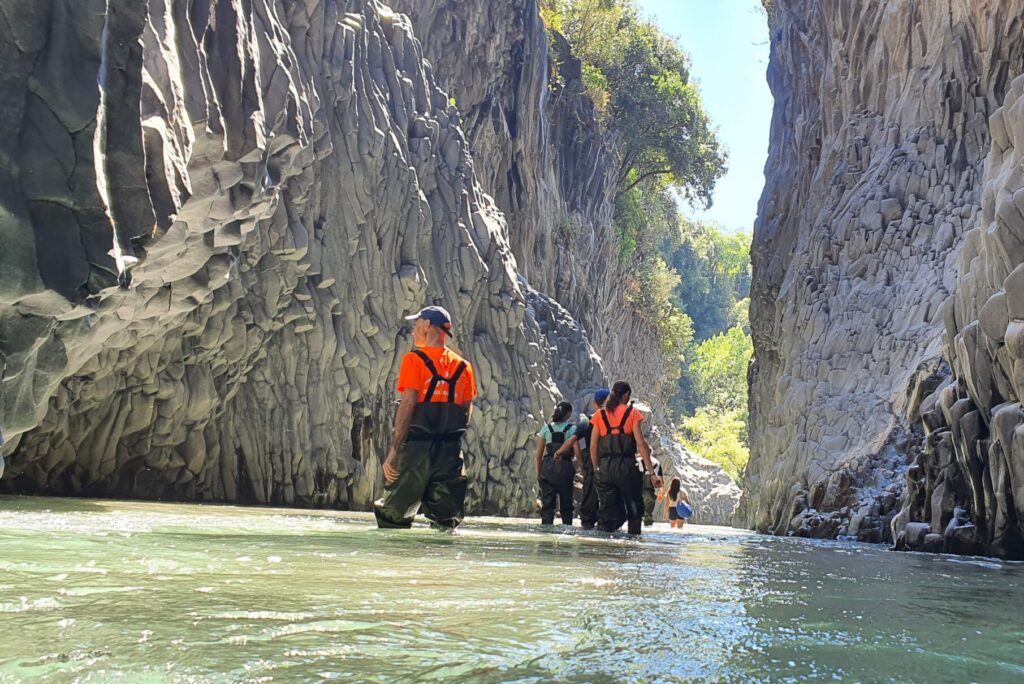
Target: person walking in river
{"type": "Point", "coordinates": [555, 471]}
{"type": "Point", "coordinates": [588, 502]}
{"type": "Point", "coordinates": [617, 437]}
{"type": "Point", "coordinates": [673, 496]}
{"type": "Point", "coordinates": [651, 493]}
{"type": "Point", "coordinates": [424, 466]}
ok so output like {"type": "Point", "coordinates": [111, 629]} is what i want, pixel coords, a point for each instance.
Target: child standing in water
{"type": "Point", "coordinates": [675, 494]}
{"type": "Point", "coordinates": [555, 471]}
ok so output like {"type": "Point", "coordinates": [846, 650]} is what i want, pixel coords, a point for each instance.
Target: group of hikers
{"type": "Point", "coordinates": [600, 465]}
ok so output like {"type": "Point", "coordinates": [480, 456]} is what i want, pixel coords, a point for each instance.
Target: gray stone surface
{"type": "Point", "coordinates": [205, 258]}
{"type": "Point", "coordinates": [867, 225]}
{"type": "Point", "coordinates": [968, 483]}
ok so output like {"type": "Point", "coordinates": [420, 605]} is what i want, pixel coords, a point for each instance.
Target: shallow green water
{"type": "Point", "coordinates": [116, 591]}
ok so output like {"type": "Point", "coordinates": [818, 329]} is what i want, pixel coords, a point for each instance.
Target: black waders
{"type": "Point", "coordinates": [430, 467]}
{"type": "Point", "coordinates": [650, 498]}
{"type": "Point", "coordinates": [588, 497]}
{"type": "Point", "coordinates": [556, 481]}
{"type": "Point", "coordinates": [620, 482]}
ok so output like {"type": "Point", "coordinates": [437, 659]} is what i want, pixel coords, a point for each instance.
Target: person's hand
{"type": "Point", "coordinates": [390, 466]}
{"type": "Point", "coordinates": [657, 480]}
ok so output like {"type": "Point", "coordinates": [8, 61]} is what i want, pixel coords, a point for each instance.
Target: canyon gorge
{"type": "Point", "coordinates": [217, 213]}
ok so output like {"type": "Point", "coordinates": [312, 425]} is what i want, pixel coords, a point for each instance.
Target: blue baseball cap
{"type": "Point", "coordinates": [438, 316]}
{"type": "Point", "coordinates": [601, 394]}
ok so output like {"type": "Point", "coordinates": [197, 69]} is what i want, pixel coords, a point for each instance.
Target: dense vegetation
{"type": "Point", "coordinates": [688, 279]}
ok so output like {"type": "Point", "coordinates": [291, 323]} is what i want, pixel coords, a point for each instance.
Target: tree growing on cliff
{"type": "Point", "coordinates": [642, 80]}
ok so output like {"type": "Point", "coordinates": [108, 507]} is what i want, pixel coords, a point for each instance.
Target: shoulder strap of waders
{"type": "Point", "coordinates": [452, 381]}
{"type": "Point", "coordinates": [625, 417]}
{"type": "Point", "coordinates": [604, 418]}
{"type": "Point", "coordinates": [437, 377]}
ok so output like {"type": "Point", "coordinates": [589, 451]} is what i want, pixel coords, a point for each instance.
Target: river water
{"type": "Point", "coordinates": [146, 592]}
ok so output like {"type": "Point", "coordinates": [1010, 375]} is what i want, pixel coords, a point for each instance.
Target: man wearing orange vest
{"type": "Point", "coordinates": [424, 466]}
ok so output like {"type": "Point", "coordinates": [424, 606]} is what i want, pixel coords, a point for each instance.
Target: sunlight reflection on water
{"type": "Point", "coordinates": [159, 592]}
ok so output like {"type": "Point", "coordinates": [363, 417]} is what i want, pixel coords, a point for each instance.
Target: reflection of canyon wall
{"type": "Point", "coordinates": [287, 181]}
{"type": "Point", "coordinates": [878, 147]}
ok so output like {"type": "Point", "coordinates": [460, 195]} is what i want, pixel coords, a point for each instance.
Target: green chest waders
{"type": "Point", "coordinates": [620, 483]}
{"type": "Point", "coordinates": [556, 481]}
{"type": "Point", "coordinates": [431, 474]}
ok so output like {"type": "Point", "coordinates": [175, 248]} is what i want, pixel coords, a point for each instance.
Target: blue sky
{"type": "Point", "coordinates": [728, 43]}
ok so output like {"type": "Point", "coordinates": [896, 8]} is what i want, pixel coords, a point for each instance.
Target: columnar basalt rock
{"type": "Point", "coordinates": [874, 182]}
{"type": "Point", "coordinates": [305, 184]}
{"type": "Point", "coordinates": [540, 153]}
{"type": "Point", "coordinates": [966, 490]}
{"type": "Point", "coordinates": [214, 217]}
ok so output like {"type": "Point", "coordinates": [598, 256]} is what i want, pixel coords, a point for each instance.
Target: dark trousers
{"type": "Point", "coordinates": [556, 482]}
{"type": "Point", "coordinates": [620, 494]}
{"type": "Point", "coordinates": [588, 497]}
{"type": "Point", "coordinates": [650, 499]}
{"type": "Point", "coordinates": [430, 475]}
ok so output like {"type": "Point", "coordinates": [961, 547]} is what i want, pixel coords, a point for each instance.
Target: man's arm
{"type": "Point", "coordinates": [595, 441]}
{"type": "Point", "coordinates": [403, 417]}
{"type": "Point", "coordinates": [469, 411]}
{"type": "Point", "coordinates": [578, 454]}
{"type": "Point", "coordinates": [645, 453]}
{"type": "Point", "coordinates": [540, 453]}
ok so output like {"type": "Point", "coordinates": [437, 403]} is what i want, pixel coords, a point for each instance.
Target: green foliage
{"type": "Point", "coordinates": [717, 435]}
{"type": "Point", "coordinates": [720, 369]}
{"type": "Point", "coordinates": [716, 273]}
{"type": "Point", "coordinates": [718, 428]}
{"type": "Point", "coordinates": [640, 81]}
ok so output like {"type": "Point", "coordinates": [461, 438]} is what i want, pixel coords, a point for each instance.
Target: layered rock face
{"type": "Point", "coordinates": [875, 175]}
{"type": "Point", "coordinates": [965, 492]}
{"type": "Point", "coordinates": [214, 217]}
{"type": "Point", "coordinates": [294, 184]}
{"type": "Point", "coordinates": [540, 153]}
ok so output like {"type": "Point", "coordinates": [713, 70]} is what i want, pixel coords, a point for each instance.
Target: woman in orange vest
{"type": "Point", "coordinates": [617, 437]}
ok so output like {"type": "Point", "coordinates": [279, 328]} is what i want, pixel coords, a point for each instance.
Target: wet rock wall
{"type": "Point", "coordinates": [875, 180]}
{"type": "Point", "coordinates": [965, 491]}
{"type": "Point", "coordinates": [223, 235]}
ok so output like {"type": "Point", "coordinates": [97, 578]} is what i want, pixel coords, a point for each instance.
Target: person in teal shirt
{"type": "Point", "coordinates": [556, 473]}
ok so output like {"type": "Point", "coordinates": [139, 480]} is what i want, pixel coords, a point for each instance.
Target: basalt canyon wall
{"type": "Point", "coordinates": [884, 394]}
{"type": "Point", "coordinates": [215, 214]}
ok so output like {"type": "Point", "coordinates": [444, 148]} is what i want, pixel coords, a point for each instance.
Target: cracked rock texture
{"type": "Point", "coordinates": [965, 491]}
{"type": "Point", "coordinates": [215, 212]}
{"type": "Point", "coordinates": [870, 244]}
{"type": "Point", "coordinates": [539, 153]}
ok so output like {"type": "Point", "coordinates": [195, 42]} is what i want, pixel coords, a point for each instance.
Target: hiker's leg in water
{"type": "Point", "coordinates": [548, 492]}
{"type": "Point", "coordinates": [633, 498]}
{"type": "Point", "coordinates": [611, 507]}
{"type": "Point", "coordinates": [401, 499]}
{"type": "Point", "coordinates": [565, 490]}
{"type": "Point", "coordinates": [649, 500]}
{"type": "Point", "coordinates": [588, 497]}
{"type": "Point", "coordinates": [444, 500]}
